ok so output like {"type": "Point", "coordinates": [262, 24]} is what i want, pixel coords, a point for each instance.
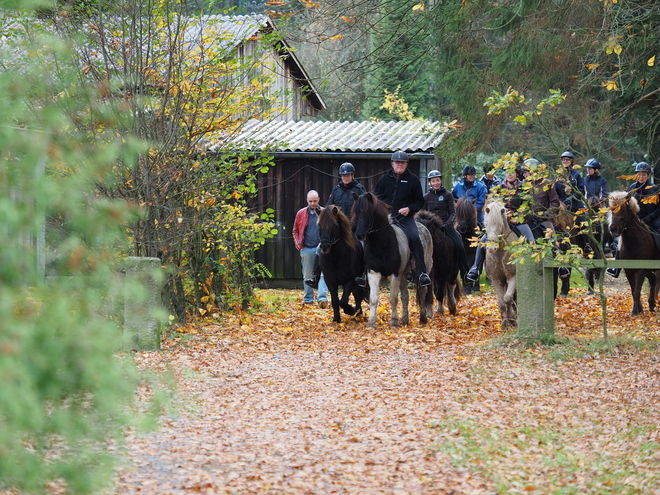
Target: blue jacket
{"type": "Point", "coordinates": [595, 186]}
{"type": "Point", "coordinates": [475, 191]}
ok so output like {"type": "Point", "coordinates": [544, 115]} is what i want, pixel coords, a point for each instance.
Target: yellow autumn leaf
{"type": "Point", "coordinates": [651, 61]}
{"type": "Point", "coordinates": [610, 85]}
{"type": "Point", "coordinates": [419, 6]}
{"type": "Point", "coordinates": [618, 49]}
{"type": "Point", "coordinates": [592, 66]}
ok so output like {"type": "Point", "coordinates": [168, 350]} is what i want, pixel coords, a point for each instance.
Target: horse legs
{"type": "Point", "coordinates": [374, 283]}
{"type": "Point", "coordinates": [399, 287]}
{"type": "Point", "coordinates": [510, 302]}
{"type": "Point", "coordinates": [343, 303]}
{"type": "Point", "coordinates": [358, 295]}
{"type": "Point", "coordinates": [439, 290]}
{"type": "Point", "coordinates": [653, 290]}
{"type": "Point", "coordinates": [333, 288]}
{"type": "Point", "coordinates": [425, 303]}
{"type": "Point", "coordinates": [635, 280]}
{"type": "Point", "coordinates": [453, 293]}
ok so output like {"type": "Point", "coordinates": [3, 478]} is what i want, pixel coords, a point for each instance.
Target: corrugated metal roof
{"type": "Point", "coordinates": [226, 31]}
{"type": "Point", "coordinates": [368, 136]}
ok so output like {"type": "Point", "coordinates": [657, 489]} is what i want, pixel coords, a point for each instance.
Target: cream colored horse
{"type": "Point", "coordinates": [500, 272]}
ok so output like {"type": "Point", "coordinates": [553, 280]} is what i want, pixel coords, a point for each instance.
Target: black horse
{"type": "Point", "coordinates": [466, 225]}
{"type": "Point", "coordinates": [341, 259]}
{"type": "Point", "coordinates": [446, 266]}
{"type": "Point", "coordinates": [387, 254]}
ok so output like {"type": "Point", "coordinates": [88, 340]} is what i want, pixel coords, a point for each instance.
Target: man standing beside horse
{"type": "Point", "coordinates": [402, 191]}
{"type": "Point", "coordinates": [307, 238]}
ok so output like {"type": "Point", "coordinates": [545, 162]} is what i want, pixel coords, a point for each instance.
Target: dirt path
{"type": "Point", "coordinates": [286, 403]}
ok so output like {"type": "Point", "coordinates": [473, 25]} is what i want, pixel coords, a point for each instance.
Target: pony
{"type": "Point", "coordinates": [466, 224]}
{"type": "Point", "coordinates": [387, 254]}
{"type": "Point", "coordinates": [446, 282]}
{"type": "Point", "coordinates": [565, 225]}
{"type": "Point", "coordinates": [341, 259]}
{"type": "Point", "coordinates": [500, 271]}
{"type": "Point", "coordinates": [636, 242]}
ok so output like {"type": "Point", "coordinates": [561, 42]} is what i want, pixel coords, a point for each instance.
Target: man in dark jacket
{"type": "Point", "coordinates": [342, 193]}
{"type": "Point", "coordinates": [402, 190]}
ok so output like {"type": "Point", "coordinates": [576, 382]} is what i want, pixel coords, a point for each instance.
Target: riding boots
{"type": "Point", "coordinates": [361, 281]}
{"type": "Point", "coordinates": [424, 280]}
{"type": "Point", "coordinates": [614, 272]}
{"type": "Point", "coordinates": [475, 270]}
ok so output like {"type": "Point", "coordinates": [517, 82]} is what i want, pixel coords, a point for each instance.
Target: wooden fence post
{"type": "Point", "coordinates": [534, 315]}
{"type": "Point", "coordinates": [141, 302]}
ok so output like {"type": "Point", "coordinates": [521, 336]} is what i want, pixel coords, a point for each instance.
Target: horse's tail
{"type": "Point", "coordinates": [458, 289]}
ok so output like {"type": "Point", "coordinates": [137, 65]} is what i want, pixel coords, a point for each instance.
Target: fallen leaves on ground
{"type": "Point", "coordinates": [284, 401]}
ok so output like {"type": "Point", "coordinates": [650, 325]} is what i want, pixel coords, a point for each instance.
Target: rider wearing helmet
{"type": "Point", "coordinates": [570, 184]}
{"type": "Point", "coordinates": [595, 184]}
{"type": "Point", "coordinates": [489, 179]}
{"type": "Point", "coordinates": [342, 194]}
{"type": "Point", "coordinates": [649, 213]}
{"type": "Point", "coordinates": [440, 202]}
{"type": "Point", "coordinates": [474, 190]}
{"type": "Point", "coordinates": [402, 190]}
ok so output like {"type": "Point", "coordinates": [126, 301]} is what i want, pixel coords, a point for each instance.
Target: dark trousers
{"type": "Point", "coordinates": [409, 226]}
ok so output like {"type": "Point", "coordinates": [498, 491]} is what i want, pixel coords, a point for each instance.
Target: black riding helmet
{"type": "Point", "coordinates": [399, 156]}
{"type": "Point", "coordinates": [346, 168]}
{"type": "Point", "coordinates": [593, 163]}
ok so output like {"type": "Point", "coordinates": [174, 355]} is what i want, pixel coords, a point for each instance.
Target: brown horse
{"type": "Point", "coordinates": [341, 259]}
{"type": "Point", "coordinates": [565, 226]}
{"type": "Point", "coordinates": [635, 243]}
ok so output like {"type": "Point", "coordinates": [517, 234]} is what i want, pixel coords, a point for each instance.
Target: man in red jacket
{"type": "Point", "coordinates": [306, 238]}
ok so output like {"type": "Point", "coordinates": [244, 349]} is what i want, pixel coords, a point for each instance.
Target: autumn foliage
{"type": "Point", "coordinates": [283, 400]}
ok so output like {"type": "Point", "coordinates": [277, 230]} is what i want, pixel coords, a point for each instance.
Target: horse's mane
{"type": "Point", "coordinates": [619, 198]}
{"type": "Point", "coordinates": [465, 209]}
{"type": "Point", "coordinates": [331, 216]}
{"type": "Point", "coordinates": [430, 220]}
{"type": "Point", "coordinates": [370, 205]}
{"type": "Point", "coordinates": [493, 219]}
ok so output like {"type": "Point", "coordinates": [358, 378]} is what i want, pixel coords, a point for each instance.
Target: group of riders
{"type": "Point", "coordinates": [532, 201]}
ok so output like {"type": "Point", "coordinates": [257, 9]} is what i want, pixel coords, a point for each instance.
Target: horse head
{"type": "Point", "coordinates": [328, 228]}
{"type": "Point", "coordinates": [369, 214]}
{"type": "Point", "coordinates": [497, 224]}
{"type": "Point", "coordinates": [624, 209]}
{"type": "Point", "coordinates": [466, 216]}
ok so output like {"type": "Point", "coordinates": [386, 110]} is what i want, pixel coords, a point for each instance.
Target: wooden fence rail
{"type": "Point", "coordinates": [536, 289]}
